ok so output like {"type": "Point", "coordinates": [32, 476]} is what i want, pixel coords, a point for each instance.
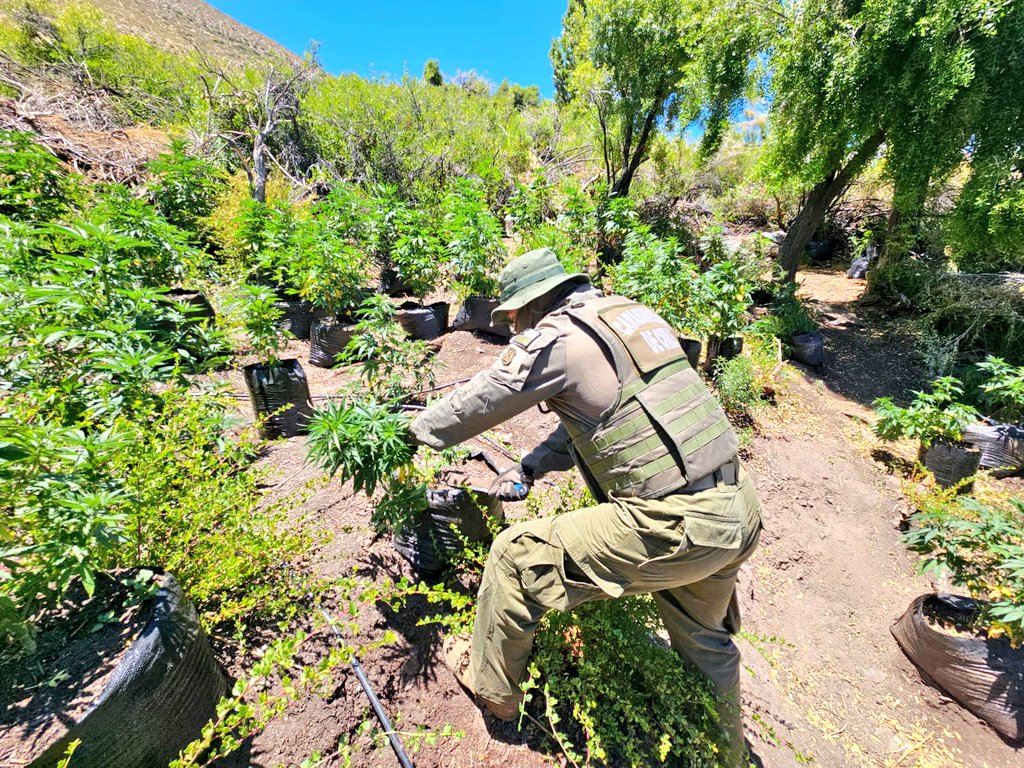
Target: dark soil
{"type": "Point", "coordinates": [46, 692]}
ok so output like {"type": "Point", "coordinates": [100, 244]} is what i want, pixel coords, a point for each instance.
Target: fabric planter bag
{"type": "Point", "coordinates": [297, 319]}
{"type": "Point", "coordinates": [951, 464]}
{"type": "Point", "coordinates": [986, 676]}
{"type": "Point", "coordinates": [808, 348]}
{"type": "Point", "coordinates": [475, 315]}
{"type": "Point", "coordinates": [197, 308]}
{"type": "Point", "coordinates": [441, 310]}
{"type": "Point", "coordinates": [1001, 446]}
{"type": "Point", "coordinates": [418, 321]}
{"type": "Point", "coordinates": [328, 336]}
{"type": "Point", "coordinates": [430, 541]}
{"type": "Point", "coordinates": [280, 396]}
{"type": "Point", "coordinates": [158, 698]}
{"type": "Point", "coordinates": [692, 349]}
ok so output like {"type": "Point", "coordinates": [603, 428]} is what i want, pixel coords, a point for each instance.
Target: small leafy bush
{"type": "Point", "coordinates": [33, 185]}
{"type": "Point", "coordinates": [936, 416]}
{"type": "Point", "coordinates": [363, 441]}
{"type": "Point", "coordinates": [472, 238]}
{"type": "Point", "coordinates": [655, 272]}
{"type": "Point", "coordinates": [392, 366]}
{"type": "Point", "coordinates": [737, 384]}
{"type": "Point", "coordinates": [261, 318]}
{"type": "Point", "coordinates": [652, 711]}
{"type": "Point", "coordinates": [1003, 390]}
{"type": "Point", "coordinates": [184, 187]}
{"type": "Point", "coordinates": [981, 547]}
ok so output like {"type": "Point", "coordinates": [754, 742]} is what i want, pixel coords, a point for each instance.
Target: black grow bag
{"type": "Point", "coordinates": [441, 310]}
{"type": "Point", "coordinates": [194, 305]}
{"type": "Point", "coordinates": [475, 315]}
{"type": "Point", "coordinates": [162, 693]}
{"type": "Point", "coordinates": [691, 347]}
{"type": "Point", "coordinates": [1001, 445]}
{"type": "Point", "coordinates": [328, 336]}
{"type": "Point", "coordinates": [951, 464]}
{"type": "Point", "coordinates": [391, 284]}
{"type": "Point", "coordinates": [730, 347]}
{"type": "Point", "coordinates": [429, 541]}
{"type": "Point", "coordinates": [297, 317]}
{"type": "Point", "coordinates": [418, 321]}
{"type": "Point", "coordinates": [280, 397]}
{"type": "Point", "coordinates": [984, 675]}
{"type": "Point", "coordinates": [808, 348]}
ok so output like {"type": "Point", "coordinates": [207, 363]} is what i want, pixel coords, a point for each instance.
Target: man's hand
{"type": "Point", "coordinates": [512, 485]}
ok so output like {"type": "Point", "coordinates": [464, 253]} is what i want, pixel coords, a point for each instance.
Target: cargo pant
{"type": "Point", "coordinates": [684, 549]}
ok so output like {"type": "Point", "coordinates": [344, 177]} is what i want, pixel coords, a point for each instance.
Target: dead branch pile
{"type": "Point", "coordinates": [100, 155]}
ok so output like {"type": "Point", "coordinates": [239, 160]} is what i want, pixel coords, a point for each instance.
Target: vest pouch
{"type": "Point", "coordinates": [690, 419]}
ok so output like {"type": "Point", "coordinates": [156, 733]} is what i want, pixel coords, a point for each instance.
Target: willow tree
{"type": "Point", "coordinates": [641, 66]}
{"type": "Point", "coordinates": [912, 82]}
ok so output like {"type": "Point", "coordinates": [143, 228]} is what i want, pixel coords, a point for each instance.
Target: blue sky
{"type": "Point", "coordinates": [499, 39]}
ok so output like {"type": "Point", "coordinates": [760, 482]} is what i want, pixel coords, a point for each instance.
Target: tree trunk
{"type": "Point", "coordinates": [817, 203]}
{"type": "Point", "coordinates": [260, 171]}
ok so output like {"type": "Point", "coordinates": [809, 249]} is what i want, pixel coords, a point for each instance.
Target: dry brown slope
{"type": "Point", "coordinates": [187, 25]}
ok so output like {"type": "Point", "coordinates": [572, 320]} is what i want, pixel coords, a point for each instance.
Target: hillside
{"type": "Point", "coordinates": [186, 25]}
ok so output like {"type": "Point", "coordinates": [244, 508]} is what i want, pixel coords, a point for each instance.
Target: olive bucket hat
{"type": "Point", "coordinates": [529, 277]}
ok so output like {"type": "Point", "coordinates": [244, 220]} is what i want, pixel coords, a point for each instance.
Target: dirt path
{"type": "Point", "coordinates": [824, 682]}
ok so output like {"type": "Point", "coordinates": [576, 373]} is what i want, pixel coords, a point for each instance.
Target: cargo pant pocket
{"type": "Point", "coordinates": [547, 574]}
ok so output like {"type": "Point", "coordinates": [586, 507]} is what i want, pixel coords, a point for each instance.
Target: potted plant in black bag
{"type": "Point", "coordinates": [335, 282]}
{"type": "Point", "coordinates": [1001, 437]}
{"type": "Point", "coordinates": [277, 388]}
{"type": "Point", "coordinates": [937, 419]}
{"type": "Point", "coordinates": [417, 256]}
{"type": "Point", "coordinates": [473, 242]}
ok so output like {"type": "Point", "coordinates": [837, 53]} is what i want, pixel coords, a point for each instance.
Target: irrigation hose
{"type": "Point", "coordinates": [378, 710]}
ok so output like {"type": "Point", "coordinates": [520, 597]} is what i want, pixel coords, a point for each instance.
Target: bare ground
{"type": "Point", "coordinates": [824, 682]}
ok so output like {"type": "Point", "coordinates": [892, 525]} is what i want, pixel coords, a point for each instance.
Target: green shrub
{"type": "Point", "coordinates": [652, 711]}
{"type": "Point", "coordinates": [472, 239]}
{"type": "Point", "coordinates": [986, 228]}
{"type": "Point", "coordinates": [981, 547]}
{"type": "Point", "coordinates": [33, 185]}
{"type": "Point", "coordinates": [737, 384]}
{"type": "Point", "coordinates": [655, 272]}
{"type": "Point", "coordinates": [936, 416]}
{"type": "Point", "coordinates": [184, 187]}
{"type": "Point", "coordinates": [257, 305]}
{"type": "Point", "coordinates": [1003, 389]}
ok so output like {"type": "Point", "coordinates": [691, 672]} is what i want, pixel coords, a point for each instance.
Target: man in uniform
{"type": "Point", "coordinates": [677, 515]}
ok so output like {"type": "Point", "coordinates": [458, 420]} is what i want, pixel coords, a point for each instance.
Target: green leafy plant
{"type": "Point", "coordinates": [392, 366]}
{"type": "Point", "coordinates": [936, 416]}
{"type": "Point", "coordinates": [33, 186]}
{"type": "Point", "coordinates": [473, 240]}
{"type": "Point", "coordinates": [364, 442]}
{"type": "Point", "coordinates": [655, 272]}
{"type": "Point", "coordinates": [981, 547]}
{"type": "Point", "coordinates": [1003, 390]}
{"type": "Point", "coordinates": [654, 711]}
{"type": "Point", "coordinates": [417, 253]}
{"type": "Point", "coordinates": [184, 187]}
{"type": "Point", "coordinates": [261, 318]}
{"type": "Point", "coordinates": [737, 385]}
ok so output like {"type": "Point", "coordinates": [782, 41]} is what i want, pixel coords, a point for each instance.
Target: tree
{"type": "Point", "coordinates": [915, 82]}
{"type": "Point", "coordinates": [432, 73]}
{"type": "Point", "coordinates": [247, 108]}
{"type": "Point", "coordinates": [647, 65]}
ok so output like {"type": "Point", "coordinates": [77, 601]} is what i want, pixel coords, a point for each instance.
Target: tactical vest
{"type": "Point", "coordinates": [666, 429]}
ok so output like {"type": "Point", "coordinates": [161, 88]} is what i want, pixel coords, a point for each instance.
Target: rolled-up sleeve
{"type": "Point", "coordinates": [524, 375]}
